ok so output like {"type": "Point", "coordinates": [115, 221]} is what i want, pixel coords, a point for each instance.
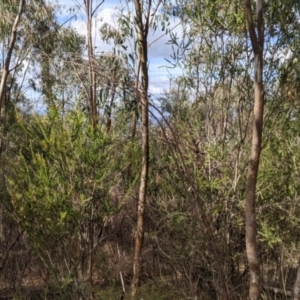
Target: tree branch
{"type": "Point", "coordinates": [251, 27]}
{"type": "Point", "coordinates": [9, 52]}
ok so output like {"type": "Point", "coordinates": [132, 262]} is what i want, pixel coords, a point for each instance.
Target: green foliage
{"type": "Point", "coordinates": [60, 171]}
{"type": "Point", "coordinates": [217, 15]}
{"type": "Point", "coordinates": [279, 185]}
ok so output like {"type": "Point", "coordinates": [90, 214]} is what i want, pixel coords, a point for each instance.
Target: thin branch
{"type": "Point", "coordinates": [164, 34]}
{"type": "Point", "coordinates": [94, 11]}
{"type": "Point", "coordinates": [276, 290]}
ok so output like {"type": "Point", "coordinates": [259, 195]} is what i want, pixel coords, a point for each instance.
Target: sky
{"type": "Point", "coordinates": [159, 48]}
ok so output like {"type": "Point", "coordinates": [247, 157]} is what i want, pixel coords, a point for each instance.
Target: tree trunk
{"type": "Point", "coordinates": [143, 59]}
{"type": "Point", "coordinates": [257, 41]}
{"type": "Point", "coordinates": [296, 288]}
{"type": "Point", "coordinates": [92, 73]}
{"type": "Point", "coordinates": [12, 41]}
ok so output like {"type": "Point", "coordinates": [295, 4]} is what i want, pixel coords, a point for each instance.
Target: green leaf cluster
{"type": "Point", "coordinates": [60, 170]}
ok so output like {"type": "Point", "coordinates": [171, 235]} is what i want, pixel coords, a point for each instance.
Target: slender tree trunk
{"type": "Point", "coordinates": [91, 244]}
{"type": "Point", "coordinates": [12, 41]}
{"type": "Point", "coordinates": [257, 41]}
{"type": "Point", "coordinates": [296, 288]}
{"type": "Point", "coordinates": [143, 59]}
{"type": "Point", "coordinates": [94, 119]}
{"type": "Point", "coordinates": [92, 74]}
{"type": "Point", "coordinates": [92, 102]}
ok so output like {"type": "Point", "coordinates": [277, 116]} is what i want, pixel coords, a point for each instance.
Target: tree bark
{"type": "Point", "coordinates": [12, 41]}
{"type": "Point", "coordinates": [257, 41]}
{"type": "Point", "coordinates": [143, 60]}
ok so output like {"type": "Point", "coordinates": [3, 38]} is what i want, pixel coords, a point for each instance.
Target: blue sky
{"type": "Point", "coordinates": [159, 76]}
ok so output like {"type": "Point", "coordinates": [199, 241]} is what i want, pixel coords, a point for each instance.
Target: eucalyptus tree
{"type": "Point", "coordinates": [266, 30]}
{"type": "Point", "coordinates": [41, 39]}
{"type": "Point", "coordinates": [256, 33]}
{"type": "Point", "coordinates": [65, 62]}
{"type": "Point", "coordinates": [56, 49]}
{"type": "Point", "coordinates": [7, 60]}
{"type": "Point", "coordinates": [145, 13]}
{"type": "Point", "coordinates": [11, 11]}
{"type": "Point", "coordinates": [143, 24]}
